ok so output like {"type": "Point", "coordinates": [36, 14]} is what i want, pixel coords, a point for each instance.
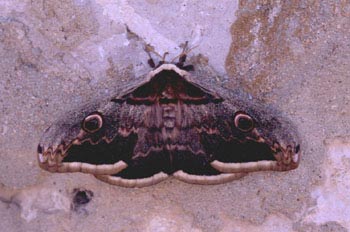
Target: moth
{"type": "Point", "coordinates": [171, 122]}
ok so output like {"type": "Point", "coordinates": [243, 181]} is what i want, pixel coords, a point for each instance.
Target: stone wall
{"type": "Point", "coordinates": [55, 55]}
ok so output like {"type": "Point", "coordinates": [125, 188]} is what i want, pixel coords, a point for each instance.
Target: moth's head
{"type": "Point", "coordinates": [180, 64]}
{"type": "Point", "coordinates": [179, 61]}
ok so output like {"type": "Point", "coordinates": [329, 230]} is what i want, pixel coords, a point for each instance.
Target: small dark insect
{"type": "Point", "coordinates": [171, 122]}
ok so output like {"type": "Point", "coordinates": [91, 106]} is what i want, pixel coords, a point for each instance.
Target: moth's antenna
{"type": "Point", "coordinates": [150, 49]}
{"type": "Point", "coordinates": [183, 55]}
{"type": "Point", "coordinates": [165, 54]}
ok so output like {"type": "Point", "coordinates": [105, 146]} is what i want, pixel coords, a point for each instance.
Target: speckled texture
{"type": "Point", "coordinates": [294, 54]}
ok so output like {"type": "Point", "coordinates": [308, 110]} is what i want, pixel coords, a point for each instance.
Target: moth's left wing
{"type": "Point", "coordinates": [95, 139]}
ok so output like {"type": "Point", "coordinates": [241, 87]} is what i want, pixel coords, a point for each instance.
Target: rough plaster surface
{"type": "Point", "coordinates": [294, 54]}
{"type": "Point", "coordinates": [333, 198]}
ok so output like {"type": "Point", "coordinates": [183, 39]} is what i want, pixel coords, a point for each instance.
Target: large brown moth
{"type": "Point", "coordinates": [172, 122]}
